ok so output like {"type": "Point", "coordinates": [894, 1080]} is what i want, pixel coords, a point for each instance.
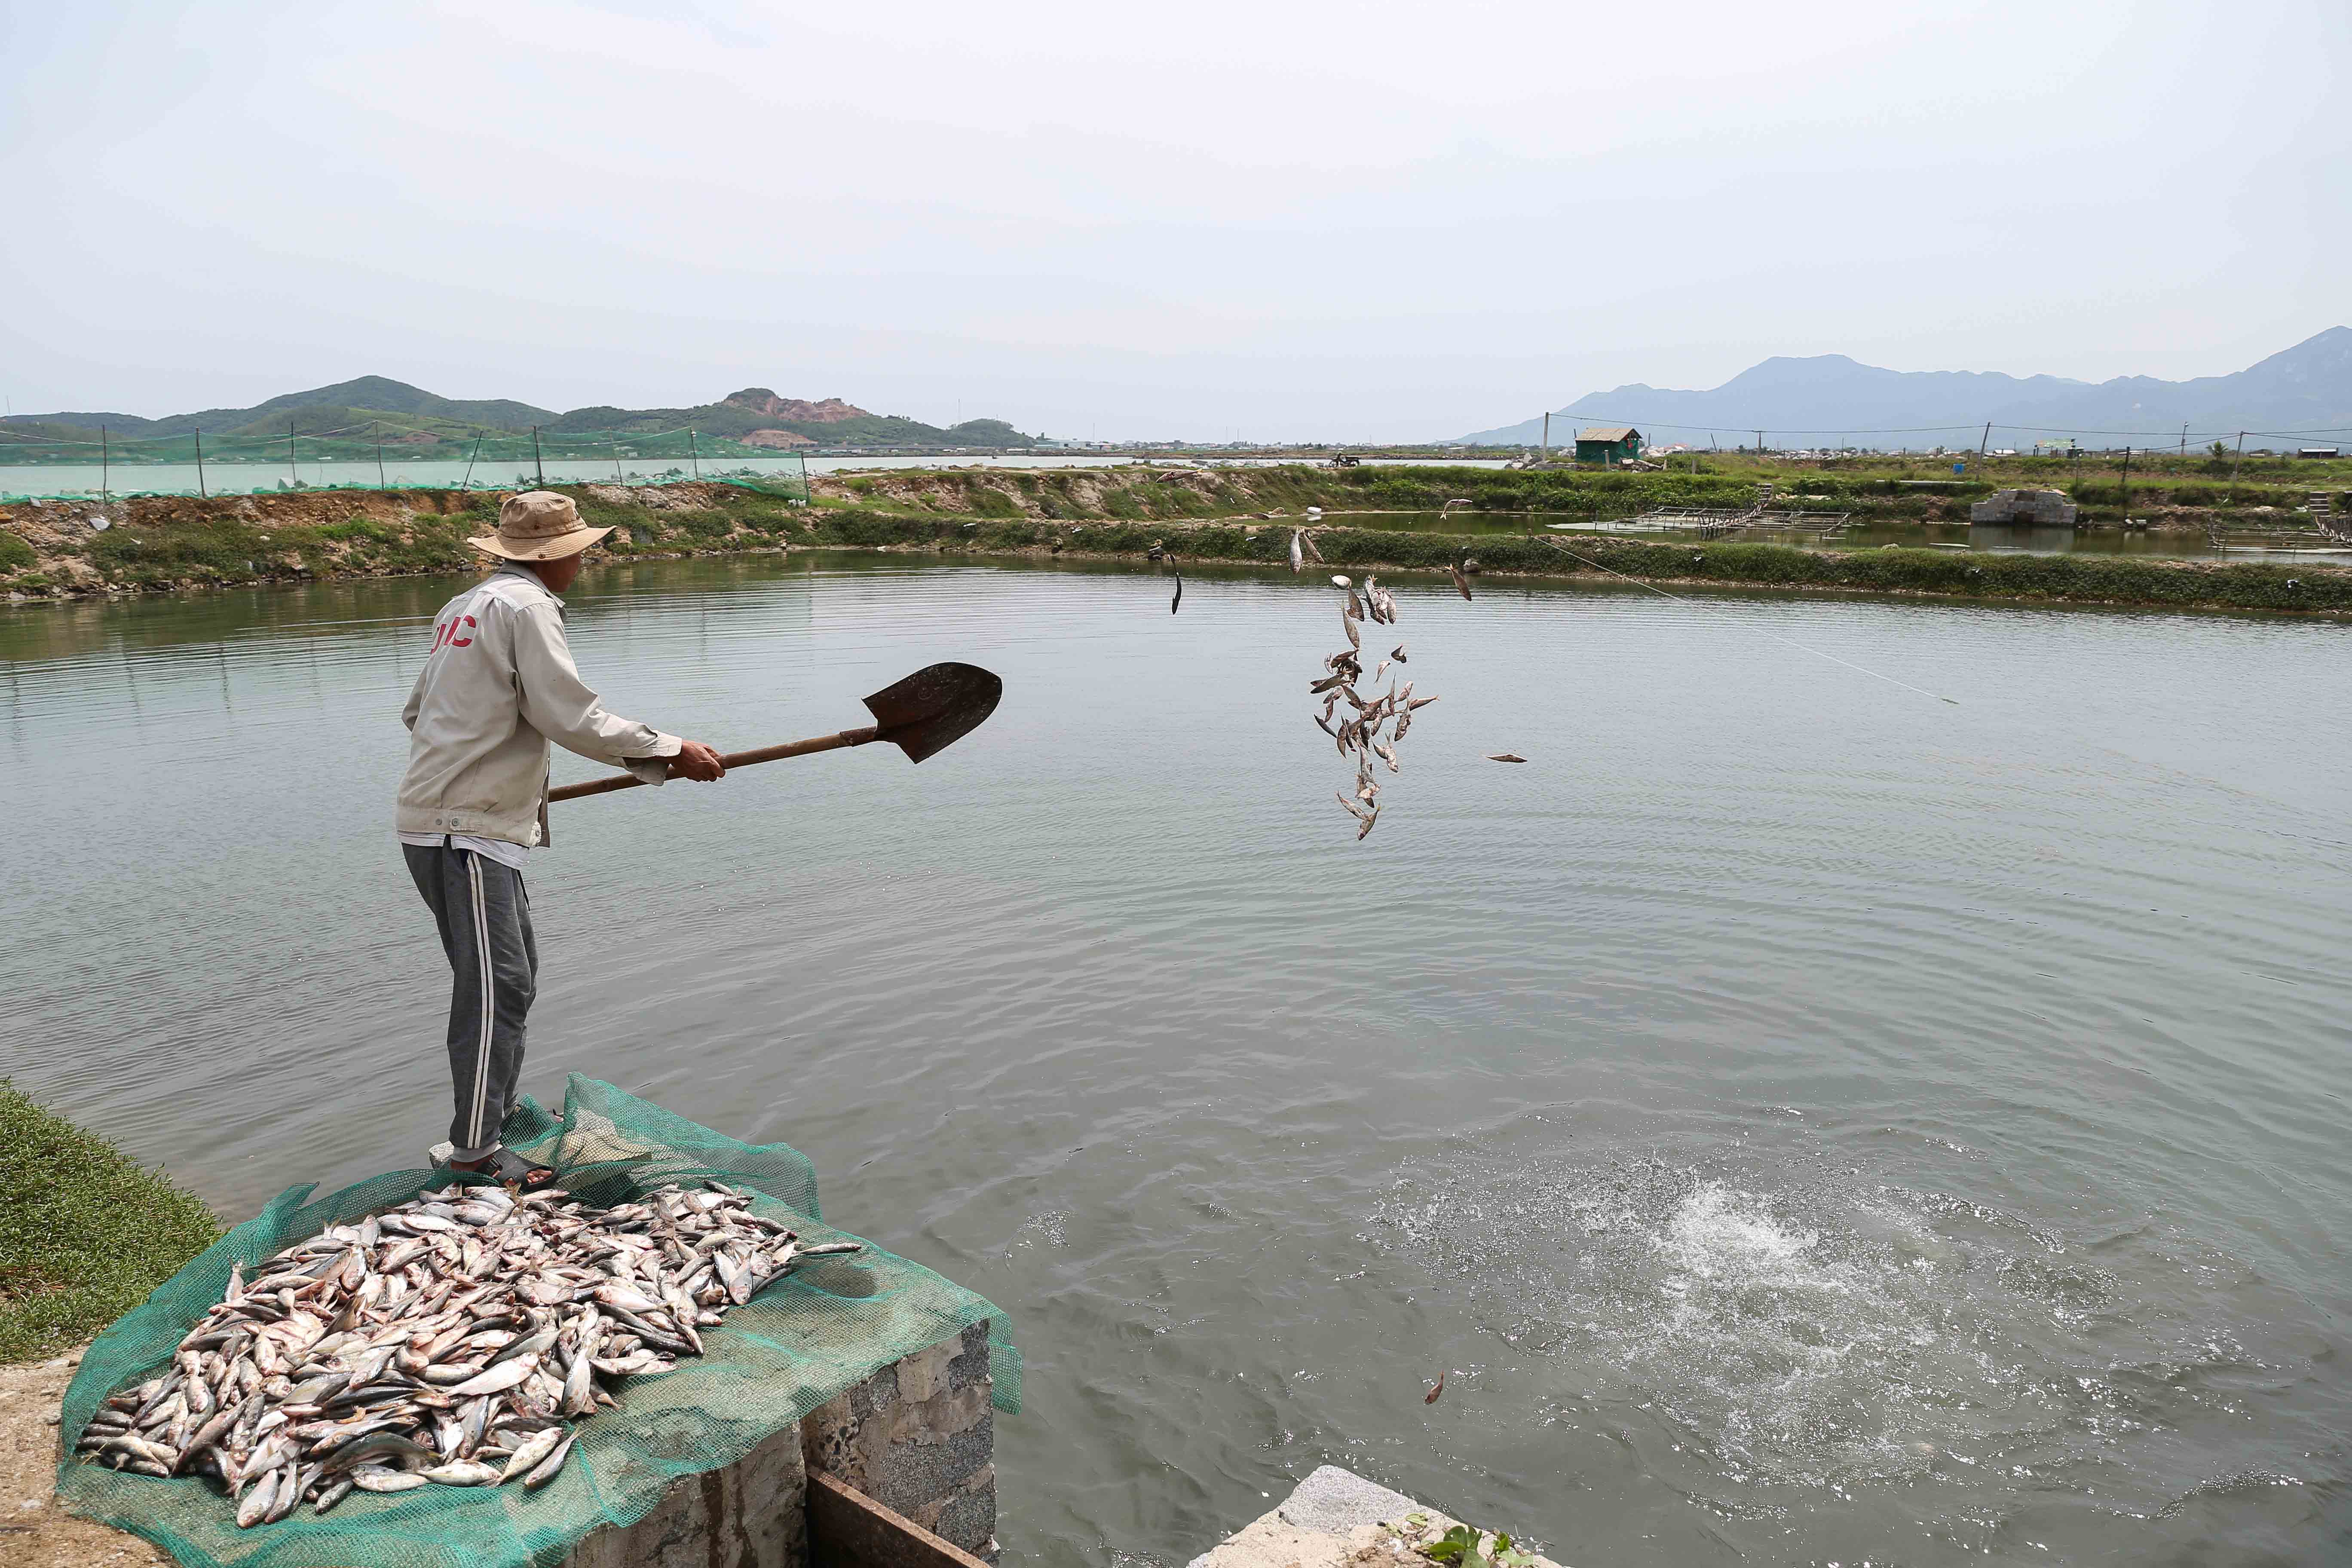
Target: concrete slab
{"type": "Point", "coordinates": [1337, 1519]}
{"type": "Point", "coordinates": [1340, 1501]}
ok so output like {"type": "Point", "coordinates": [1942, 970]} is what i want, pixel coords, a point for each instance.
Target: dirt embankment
{"type": "Point", "coordinates": [1244, 516]}
{"type": "Point", "coordinates": [34, 1528]}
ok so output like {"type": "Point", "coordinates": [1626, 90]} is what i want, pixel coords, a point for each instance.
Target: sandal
{"type": "Point", "coordinates": [504, 1166]}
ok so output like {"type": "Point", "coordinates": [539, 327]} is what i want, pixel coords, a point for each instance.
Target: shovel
{"type": "Point", "coordinates": [928, 712]}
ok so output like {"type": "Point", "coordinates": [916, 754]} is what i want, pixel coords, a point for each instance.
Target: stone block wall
{"type": "Point", "coordinates": [919, 1438]}
{"type": "Point", "coordinates": [2039, 509]}
{"type": "Point", "coordinates": [753, 1514]}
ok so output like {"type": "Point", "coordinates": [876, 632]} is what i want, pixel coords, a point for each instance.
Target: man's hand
{"type": "Point", "coordinates": [697, 761]}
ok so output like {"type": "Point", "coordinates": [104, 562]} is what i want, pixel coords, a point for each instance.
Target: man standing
{"type": "Point", "coordinates": [499, 686]}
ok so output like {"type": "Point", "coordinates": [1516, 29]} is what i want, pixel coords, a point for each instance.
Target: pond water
{"type": "Point", "coordinates": [1806, 1120]}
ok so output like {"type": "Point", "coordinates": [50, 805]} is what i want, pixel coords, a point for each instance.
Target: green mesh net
{"type": "Point", "coordinates": [799, 1343]}
{"type": "Point", "coordinates": [358, 458]}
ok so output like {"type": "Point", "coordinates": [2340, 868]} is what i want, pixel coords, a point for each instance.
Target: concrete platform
{"type": "Point", "coordinates": [1337, 1519]}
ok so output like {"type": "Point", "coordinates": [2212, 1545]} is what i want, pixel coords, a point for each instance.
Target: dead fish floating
{"type": "Point", "coordinates": [448, 1342]}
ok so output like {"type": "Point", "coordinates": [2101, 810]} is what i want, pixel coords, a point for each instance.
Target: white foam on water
{"type": "Point", "coordinates": [1815, 1335]}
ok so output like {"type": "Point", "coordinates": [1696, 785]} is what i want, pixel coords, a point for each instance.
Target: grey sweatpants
{"type": "Point", "coordinates": [485, 919]}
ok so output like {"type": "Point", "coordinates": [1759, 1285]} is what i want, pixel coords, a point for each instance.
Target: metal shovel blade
{"type": "Point", "coordinates": [934, 708]}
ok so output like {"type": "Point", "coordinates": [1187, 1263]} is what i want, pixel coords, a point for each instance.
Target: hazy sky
{"type": "Point", "coordinates": [1275, 220]}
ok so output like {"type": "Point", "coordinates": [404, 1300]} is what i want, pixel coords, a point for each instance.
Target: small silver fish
{"type": "Point", "coordinates": [498, 1379]}
{"type": "Point", "coordinates": [549, 1465]}
{"type": "Point", "coordinates": [534, 1448]}
{"type": "Point", "coordinates": [257, 1502]}
{"type": "Point", "coordinates": [460, 1473]}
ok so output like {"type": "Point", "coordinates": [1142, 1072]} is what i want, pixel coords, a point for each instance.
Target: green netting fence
{"type": "Point", "coordinates": [799, 1343]}
{"type": "Point", "coordinates": [362, 457]}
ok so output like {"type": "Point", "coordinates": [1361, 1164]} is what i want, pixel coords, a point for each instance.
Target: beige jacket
{"type": "Point", "coordinates": [498, 685]}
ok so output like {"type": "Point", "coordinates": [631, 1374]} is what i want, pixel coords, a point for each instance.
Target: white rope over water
{"type": "Point", "coordinates": [1776, 636]}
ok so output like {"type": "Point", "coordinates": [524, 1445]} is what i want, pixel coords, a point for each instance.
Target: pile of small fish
{"type": "Point", "coordinates": [446, 1341]}
{"type": "Point", "coordinates": [1359, 733]}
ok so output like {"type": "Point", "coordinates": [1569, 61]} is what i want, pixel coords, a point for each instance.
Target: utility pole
{"type": "Point", "coordinates": [105, 466]}
{"type": "Point", "coordinates": [379, 455]}
{"type": "Point", "coordinates": [2184, 442]}
{"type": "Point", "coordinates": [1759, 443]}
{"type": "Point", "coordinates": [290, 468]}
{"type": "Point", "coordinates": [2235, 461]}
{"type": "Point", "coordinates": [2124, 486]}
{"type": "Point", "coordinates": [1987, 442]}
{"type": "Point", "coordinates": [694, 452]}
{"type": "Point", "coordinates": [537, 467]}
{"type": "Point", "coordinates": [468, 482]}
{"type": "Point", "coordinates": [201, 493]}
{"type": "Point", "coordinates": [1545, 454]}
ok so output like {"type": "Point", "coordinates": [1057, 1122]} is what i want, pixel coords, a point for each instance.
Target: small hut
{"type": "Point", "coordinates": [1608, 444]}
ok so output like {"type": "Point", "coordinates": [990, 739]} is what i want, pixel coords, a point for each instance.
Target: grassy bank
{"type": "Point", "coordinates": [1236, 515]}
{"type": "Point", "coordinates": [85, 1233]}
{"type": "Point", "coordinates": [2079, 579]}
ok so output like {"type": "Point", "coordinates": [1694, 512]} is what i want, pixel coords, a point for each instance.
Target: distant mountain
{"type": "Point", "coordinates": [413, 415]}
{"type": "Point", "coordinates": [1824, 398]}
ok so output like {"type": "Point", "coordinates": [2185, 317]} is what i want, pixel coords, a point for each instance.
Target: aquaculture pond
{"type": "Point", "coordinates": [1871, 1086]}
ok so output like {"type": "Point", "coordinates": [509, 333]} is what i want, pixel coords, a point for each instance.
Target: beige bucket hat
{"type": "Point", "coordinates": [539, 525]}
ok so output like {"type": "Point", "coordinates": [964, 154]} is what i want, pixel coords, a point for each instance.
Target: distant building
{"type": "Point", "coordinates": [2316, 452]}
{"type": "Point", "coordinates": [1608, 444]}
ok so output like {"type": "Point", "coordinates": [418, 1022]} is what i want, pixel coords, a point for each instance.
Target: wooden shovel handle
{"type": "Point", "coordinates": [733, 759]}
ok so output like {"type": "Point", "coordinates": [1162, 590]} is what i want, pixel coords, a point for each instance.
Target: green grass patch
{"type": "Point", "coordinates": [15, 554]}
{"type": "Point", "coordinates": [85, 1233]}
